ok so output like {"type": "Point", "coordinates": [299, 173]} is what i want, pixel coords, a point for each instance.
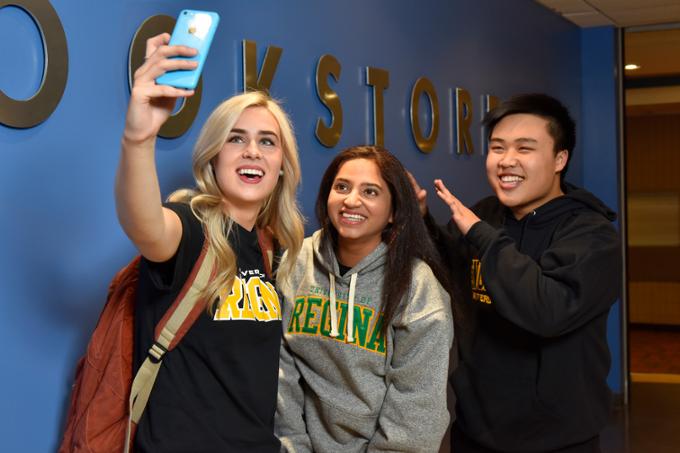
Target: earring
{"type": "Point", "coordinates": [280, 172]}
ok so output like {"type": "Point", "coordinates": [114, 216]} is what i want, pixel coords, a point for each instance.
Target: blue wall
{"type": "Point", "coordinates": [598, 142]}
{"type": "Point", "coordinates": [60, 239]}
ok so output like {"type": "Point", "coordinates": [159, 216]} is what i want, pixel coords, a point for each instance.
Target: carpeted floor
{"type": "Point", "coordinates": [649, 424]}
{"type": "Point", "coordinates": [654, 349]}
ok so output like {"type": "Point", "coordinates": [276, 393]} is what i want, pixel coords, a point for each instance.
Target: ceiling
{"type": "Point", "coordinates": [651, 40]}
{"type": "Point", "coordinates": [657, 52]}
{"type": "Point", "coordinates": [619, 13]}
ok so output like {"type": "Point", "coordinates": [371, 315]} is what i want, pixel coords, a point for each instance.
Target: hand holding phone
{"type": "Point", "coordinates": [193, 29]}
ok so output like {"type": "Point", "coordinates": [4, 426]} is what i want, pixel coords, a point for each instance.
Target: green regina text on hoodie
{"type": "Point", "coordinates": [343, 386]}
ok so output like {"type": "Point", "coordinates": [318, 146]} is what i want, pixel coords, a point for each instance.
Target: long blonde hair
{"type": "Point", "coordinates": [280, 212]}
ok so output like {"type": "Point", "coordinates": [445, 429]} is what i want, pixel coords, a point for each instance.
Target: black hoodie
{"type": "Point", "coordinates": [534, 355]}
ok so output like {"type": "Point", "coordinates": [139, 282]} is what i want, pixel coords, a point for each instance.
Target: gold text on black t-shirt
{"type": "Point", "coordinates": [251, 298]}
{"type": "Point", "coordinates": [478, 289]}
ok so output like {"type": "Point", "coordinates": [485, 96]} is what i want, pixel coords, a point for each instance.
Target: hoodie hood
{"type": "Point", "coordinates": [326, 257]}
{"type": "Point", "coordinates": [588, 199]}
{"type": "Point", "coordinates": [574, 199]}
{"type": "Point", "coordinates": [543, 220]}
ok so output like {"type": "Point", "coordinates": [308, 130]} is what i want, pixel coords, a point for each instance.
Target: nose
{"type": "Point", "coordinates": [252, 151]}
{"type": "Point", "coordinates": [352, 200]}
{"type": "Point", "coordinates": [508, 160]}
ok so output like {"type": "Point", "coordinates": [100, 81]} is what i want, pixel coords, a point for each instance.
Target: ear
{"type": "Point", "coordinates": [561, 159]}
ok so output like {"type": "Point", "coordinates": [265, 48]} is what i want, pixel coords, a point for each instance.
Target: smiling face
{"type": "Point", "coordinates": [522, 166]}
{"type": "Point", "coordinates": [359, 205]}
{"type": "Point", "coordinates": [247, 167]}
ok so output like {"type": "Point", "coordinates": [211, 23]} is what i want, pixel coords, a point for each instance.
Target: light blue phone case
{"type": "Point", "coordinates": [193, 29]}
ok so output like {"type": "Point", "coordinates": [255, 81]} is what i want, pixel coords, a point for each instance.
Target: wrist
{"type": "Point", "coordinates": [467, 227]}
{"type": "Point", "coordinates": [133, 141]}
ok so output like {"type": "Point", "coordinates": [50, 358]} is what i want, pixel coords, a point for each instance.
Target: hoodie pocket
{"type": "Point", "coordinates": [334, 427]}
{"type": "Point", "coordinates": [499, 409]}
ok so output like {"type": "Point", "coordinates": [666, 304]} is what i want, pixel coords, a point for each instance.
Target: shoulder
{"type": "Point", "coordinates": [186, 216]}
{"type": "Point", "coordinates": [306, 251]}
{"type": "Point", "coordinates": [423, 278]}
{"type": "Point", "coordinates": [582, 236]}
{"type": "Point", "coordinates": [426, 296]}
{"type": "Point", "coordinates": [421, 270]}
{"type": "Point", "coordinates": [181, 209]}
{"type": "Point", "coordinates": [589, 223]}
{"type": "Point", "coordinates": [171, 274]}
{"type": "Point", "coordinates": [193, 236]}
{"type": "Point", "coordinates": [304, 260]}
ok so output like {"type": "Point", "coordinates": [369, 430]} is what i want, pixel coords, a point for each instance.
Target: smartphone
{"type": "Point", "coordinates": [193, 29]}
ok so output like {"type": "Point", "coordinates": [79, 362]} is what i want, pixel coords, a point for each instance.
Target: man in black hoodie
{"type": "Point", "coordinates": [539, 266]}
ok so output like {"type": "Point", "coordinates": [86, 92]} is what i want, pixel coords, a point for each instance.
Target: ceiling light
{"type": "Point", "coordinates": [631, 67]}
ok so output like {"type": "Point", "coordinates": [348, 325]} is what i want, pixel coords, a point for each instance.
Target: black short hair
{"type": "Point", "coordinates": [561, 126]}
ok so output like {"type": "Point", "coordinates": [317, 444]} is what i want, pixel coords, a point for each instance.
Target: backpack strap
{"type": "Point", "coordinates": [170, 330]}
{"type": "Point", "coordinates": [270, 250]}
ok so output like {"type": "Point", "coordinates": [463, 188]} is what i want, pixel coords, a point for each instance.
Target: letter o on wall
{"type": "Point", "coordinates": [33, 111]}
{"type": "Point", "coordinates": [182, 120]}
{"type": "Point", "coordinates": [423, 85]}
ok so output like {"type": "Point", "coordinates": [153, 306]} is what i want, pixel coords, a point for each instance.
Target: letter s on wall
{"type": "Point", "coordinates": [329, 135]}
{"type": "Point", "coordinates": [31, 112]}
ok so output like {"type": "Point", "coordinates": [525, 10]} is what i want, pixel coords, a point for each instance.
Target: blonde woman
{"type": "Point", "coordinates": [217, 390]}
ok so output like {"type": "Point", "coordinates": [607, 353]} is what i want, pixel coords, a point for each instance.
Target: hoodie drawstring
{"type": "Point", "coordinates": [350, 308]}
{"type": "Point", "coordinates": [333, 309]}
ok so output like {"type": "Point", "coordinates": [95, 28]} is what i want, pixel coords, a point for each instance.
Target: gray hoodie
{"type": "Point", "coordinates": [343, 386]}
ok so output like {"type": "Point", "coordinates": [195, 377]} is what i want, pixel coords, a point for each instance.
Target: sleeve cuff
{"type": "Point", "coordinates": [481, 235]}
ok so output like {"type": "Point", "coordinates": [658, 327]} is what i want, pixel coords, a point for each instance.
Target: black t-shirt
{"type": "Point", "coordinates": [215, 392]}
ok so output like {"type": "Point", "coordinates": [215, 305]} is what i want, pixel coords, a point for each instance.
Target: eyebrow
{"type": "Point", "coordinates": [263, 132]}
{"type": "Point", "coordinates": [518, 140]}
{"type": "Point", "coordinates": [364, 184]}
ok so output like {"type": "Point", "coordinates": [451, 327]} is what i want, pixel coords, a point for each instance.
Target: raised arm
{"type": "Point", "coordinates": [445, 238]}
{"type": "Point", "coordinates": [575, 279]}
{"type": "Point", "coordinates": [155, 231]}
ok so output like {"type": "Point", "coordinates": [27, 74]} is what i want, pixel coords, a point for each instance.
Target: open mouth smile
{"type": "Point", "coordinates": [351, 218]}
{"type": "Point", "coordinates": [250, 175]}
{"type": "Point", "coordinates": [510, 181]}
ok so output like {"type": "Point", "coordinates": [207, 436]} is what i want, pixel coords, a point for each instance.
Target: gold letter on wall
{"type": "Point", "coordinates": [463, 121]}
{"type": "Point", "coordinates": [423, 85]}
{"type": "Point", "coordinates": [40, 106]}
{"type": "Point", "coordinates": [328, 136]}
{"type": "Point", "coordinates": [489, 103]}
{"type": "Point", "coordinates": [379, 79]}
{"type": "Point", "coordinates": [251, 81]}
{"type": "Point", "coordinates": [182, 120]}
